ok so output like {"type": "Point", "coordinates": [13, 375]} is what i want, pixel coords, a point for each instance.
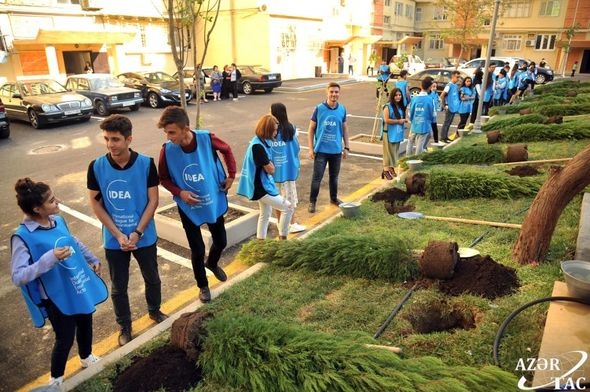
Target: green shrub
{"type": "Point", "coordinates": [478, 154]}
{"type": "Point", "coordinates": [361, 256]}
{"type": "Point", "coordinates": [576, 130]}
{"type": "Point", "coordinates": [507, 122]}
{"type": "Point", "coordinates": [571, 109]}
{"type": "Point", "coordinates": [448, 184]}
{"type": "Point", "coordinates": [253, 354]}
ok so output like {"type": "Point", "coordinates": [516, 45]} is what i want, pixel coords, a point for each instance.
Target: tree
{"type": "Point", "coordinates": [467, 19]}
{"type": "Point", "coordinates": [560, 188]}
{"type": "Point", "coordinates": [185, 19]}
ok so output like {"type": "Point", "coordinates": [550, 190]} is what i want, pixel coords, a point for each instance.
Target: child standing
{"type": "Point", "coordinates": [574, 68]}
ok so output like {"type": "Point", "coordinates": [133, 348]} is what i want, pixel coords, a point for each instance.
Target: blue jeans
{"type": "Point", "coordinates": [147, 260]}
{"type": "Point", "coordinates": [319, 167]}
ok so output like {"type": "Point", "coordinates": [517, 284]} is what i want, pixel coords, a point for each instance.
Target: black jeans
{"type": "Point", "coordinates": [147, 260]}
{"type": "Point", "coordinates": [474, 110]}
{"type": "Point", "coordinates": [66, 328]}
{"type": "Point", "coordinates": [464, 117]}
{"type": "Point", "coordinates": [197, 245]}
{"type": "Point", "coordinates": [319, 167]}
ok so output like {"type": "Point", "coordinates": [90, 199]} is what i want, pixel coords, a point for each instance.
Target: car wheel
{"type": "Point", "coordinates": [101, 108]}
{"type": "Point", "coordinates": [34, 119]}
{"type": "Point", "coordinates": [268, 90]}
{"type": "Point", "coordinates": [540, 78]}
{"type": "Point", "coordinates": [5, 132]}
{"type": "Point", "coordinates": [135, 107]}
{"type": "Point", "coordinates": [414, 91]}
{"type": "Point", "coordinates": [153, 100]}
{"type": "Point", "coordinates": [247, 88]}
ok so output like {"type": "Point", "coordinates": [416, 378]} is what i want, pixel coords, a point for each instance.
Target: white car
{"type": "Point", "coordinates": [544, 74]}
{"type": "Point", "coordinates": [413, 64]}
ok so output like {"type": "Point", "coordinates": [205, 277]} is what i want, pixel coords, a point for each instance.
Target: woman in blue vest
{"type": "Point", "coordinates": [285, 157]}
{"type": "Point", "coordinates": [58, 275]}
{"type": "Point", "coordinates": [257, 182]}
{"type": "Point", "coordinates": [467, 94]}
{"type": "Point", "coordinates": [394, 120]}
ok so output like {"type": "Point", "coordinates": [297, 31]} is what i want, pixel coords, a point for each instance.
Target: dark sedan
{"type": "Point", "coordinates": [441, 76]}
{"type": "Point", "coordinates": [254, 78]}
{"type": "Point", "coordinates": [105, 92]}
{"type": "Point", "coordinates": [44, 101]}
{"type": "Point", "coordinates": [4, 124]}
{"type": "Point", "coordinates": [158, 88]}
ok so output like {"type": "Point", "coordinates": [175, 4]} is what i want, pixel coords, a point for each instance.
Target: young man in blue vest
{"type": "Point", "coordinates": [327, 129]}
{"type": "Point", "coordinates": [421, 117]}
{"type": "Point", "coordinates": [126, 210]}
{"type": "Point", "coordinates": [451, 104]}
{"type": "Point", "coordinates": [191, 170]}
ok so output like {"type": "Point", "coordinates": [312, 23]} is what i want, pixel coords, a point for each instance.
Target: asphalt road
{"type": "Point", "coordinates": [60, 155]}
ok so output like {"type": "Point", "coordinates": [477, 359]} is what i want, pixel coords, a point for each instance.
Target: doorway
{"type": "Point", "coordinates": [74, 62]}
{"type": "Point", "coordinates": [585, 65]}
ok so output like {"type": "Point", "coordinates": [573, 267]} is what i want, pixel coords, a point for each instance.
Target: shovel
{"type": "Point", "coordinates": [419, 215]}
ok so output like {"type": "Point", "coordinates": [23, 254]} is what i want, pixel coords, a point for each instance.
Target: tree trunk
{"type": "Point", "coordinates": [563, 184]}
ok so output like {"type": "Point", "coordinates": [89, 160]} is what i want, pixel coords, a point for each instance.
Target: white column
{"type": "Point", "coordinates": [52, 63]}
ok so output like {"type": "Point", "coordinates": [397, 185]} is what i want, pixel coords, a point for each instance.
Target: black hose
{"type": "Point", "coordinates": [500, 333]}
{"type": "Point", "coordinates": [395, 311]}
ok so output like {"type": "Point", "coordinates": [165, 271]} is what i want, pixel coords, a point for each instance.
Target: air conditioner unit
{"type": "Point", "coordinates": [91, 5]}
{"type": "Point", "coordinates": [530, 42]}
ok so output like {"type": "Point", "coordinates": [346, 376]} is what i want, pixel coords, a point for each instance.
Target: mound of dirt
{"type": "Point", "coordinates": [523, 171]}
{"type": "Point", "coordinates": [166, 369]}
{"type": "Point", "coordinates": [392, 194]}
{"type": "Point", "coordinates": [481, 276]}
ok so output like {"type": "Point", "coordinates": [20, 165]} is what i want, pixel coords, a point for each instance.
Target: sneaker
{"type": "Point", "coordinates": [55, 384]}
{"type": "Point", "coordinates": [205, 295]}
{"type": "Point", "coordinates": [218, 272]}
{"type": "Point", "coordinates": [235, 99]}
{"type": "Point", "coordinates": [125, 335]}
{"type": "Point", "coordinates": [336, 201]}
{"type": "Point", "coordinates": [158, 316]}
{"type": "Point", "coordinates": [89, 360]}
{"type": "Point", "coordinates": [311, 207]}
{"type": "Point", "coordinates": [296, 228]}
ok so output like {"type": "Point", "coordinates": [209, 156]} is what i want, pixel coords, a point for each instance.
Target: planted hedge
{"type": "Point", "coordinates": [511, 121]}
{"type": "Point", "coordinates": [474, 155]}
{"type": "Point", "coordinates": [571, 109]}
{"type": "Point", "coordinates": [252, 354]}
{"type": "Point", "coordinates": [465, 183]}
{"type": "Point", "coordinates": [359, 256]}
{"type": "Point", "coordinates": [573, 130]}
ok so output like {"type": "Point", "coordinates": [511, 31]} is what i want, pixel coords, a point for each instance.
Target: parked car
{"type": "Point", "coordinates": [441, 76]}
{"type": "Point", "coordinates": [105, 92]}
{"type": "Point", "coordinates": [411, 63]}
{"type": "Point", "coordinates": [543, 74]}
{"type": "Point", "coordinates": [443, 62]}
{"type": "Point", "coordinates": [254, 78]}
{"type": "Point", "coordinates": [189, 78]}
{"type": "Point", "coordinates": [44, 101]}
{"type": "Point", "coordinates": [157, 88]}
{"type": "Point", "coordinates": [4, 124]}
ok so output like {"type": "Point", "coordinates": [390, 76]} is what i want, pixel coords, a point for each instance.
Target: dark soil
{"type": "Point", "coordinates": [481, 276]}
{"type": "Point", "coordinates": [167, 368]}
{"type": "Point", "coordinates": [523, 171]}
{"type": "Point", "coordinates": [440, 316]}
{"type": "Point", "coordinates": [394, 200]}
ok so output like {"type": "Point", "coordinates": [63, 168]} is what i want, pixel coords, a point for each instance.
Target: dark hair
{"type": "Point", "coordinates": [265, 127]}
{"type": "Point", "coordinates": [174, 115]}
{"type": "Point", "coordinates": [503, 72]}
{"type": "Point", "coordinates": [426, 83]}
{"type": "Point", "coordinates": [30, 194]}
{"type": "Point", "coordinates": [399, 105]}
{"type": "Point", "coordinates": [333, 84]}
{"type": "Point", "coordinates": [286, 129]}
{"type": "Point", "coordinates": [455, 72]}
{"type": "Point", "coordinates": [403, 73]}
{"type": "Point", "coordinates": [466, 79]}
{"type": "Point", "coordinates": [117, 123]}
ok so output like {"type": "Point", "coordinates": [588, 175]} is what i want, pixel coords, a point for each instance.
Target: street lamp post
{"type": "Point", "coordinates": [477, 125]}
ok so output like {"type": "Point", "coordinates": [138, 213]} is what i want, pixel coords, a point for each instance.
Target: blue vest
{"type": "Point", "coordinates": [500, 88]}
{"type": "Point", "coordinates": [285, 157]}
{"type": "Point", "coordinates": [71, 284]}
{"type": "Point", "coordinates": [435, 105]}
{"type": "Point", "coordinates": [466, 106]}
{"type": "Point", "coordinates": [421, 114]}
{"type": "Point", "coordinates": [199, 172]}
{"type": "Point", "coordinates": [246, 184]}
{"type": "Point", "coordinates": [489, 93]}
{"type": "Point", "coordinates": [125, 198]}
{"type": "Point", "coordinates": [384, 72]}
{"type": "Point", "coordinates": [328, 132]}
{"type": "Point", "coordinates": [395, 132]}
{"type": "Point", "coordinates": [402, 84]}
{"type": "Point", "coordinates": [453, 99]}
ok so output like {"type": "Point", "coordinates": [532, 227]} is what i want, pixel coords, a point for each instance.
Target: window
{"type": "Point", "coordinates": [387, 3]}
{"type": "Point", "coordinates": [399, 9]}
{"type": "Point", "coordinates": [518, 9]}
{"type": "Point", "coordinates": [418, 14]}
{"type": "Point", "coordinates": [386, 20]}
{"type": "Point", "coordinates": [68, 1]}
{"type": "Point", "coordinates": [436, 42]}
{"type": "Point", "coordinates": [550, 8]}
{"type": "Point", "coordinates": [511, 42]}
{"type": "Point", "coordinates": [409, 11]}
{"type": "Point", "coordinates": [439, 14]}
{"type": "Point", "coordinates": [545, 41]}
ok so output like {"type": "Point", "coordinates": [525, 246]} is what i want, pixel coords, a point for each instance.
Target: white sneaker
{"type": "Point", "coordinates": [55, 384]}
{"type": "Point", "coordinates": [89, 361]}
{"type": "Point", "coordinates": [296, 228]}
{"type": "Point", "coordinates": [235, 99]}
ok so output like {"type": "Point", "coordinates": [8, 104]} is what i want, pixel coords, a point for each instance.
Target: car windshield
{"type": "Point", "coordinates": [106, 82]}
{"type": "Point", "coordinates": [40, 87]}
{"type": "Point", "coordinates": [158, 77]}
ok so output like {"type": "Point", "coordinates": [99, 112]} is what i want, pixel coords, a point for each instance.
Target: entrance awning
{"type": "Point", "coordinates": [365, 39]}
{"type": "Point", "coordinates": [54, 37]}
{"type": "Point", "coordinates": [408, 40]}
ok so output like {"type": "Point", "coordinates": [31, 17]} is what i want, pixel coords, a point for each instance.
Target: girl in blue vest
{"type": "Point", "coordinates": [57, 274]}
{"type": "Point", "coordinates": [394, 120]}
{"type": "Point", "coordinates": [467, 94]}
{"type": "Point", "coordinates": [402, 84]}
{"type": "Point", "coordinates": [437, 108]}
{"type": "Point", "coordinates": [500, 89]}
{"type": "Point", "coordinates": [257, 182]}
{"type": "Point", "coordinates": [286, 160]}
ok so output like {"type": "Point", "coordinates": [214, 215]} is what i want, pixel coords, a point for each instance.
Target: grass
{"type": "Point", "coordinates": [312, 301]}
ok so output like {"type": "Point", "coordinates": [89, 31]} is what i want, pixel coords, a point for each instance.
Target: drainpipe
{"type": "Point", "coordinates": [232, 8]}
{"type": "Point", "coordinates": [477, 125]}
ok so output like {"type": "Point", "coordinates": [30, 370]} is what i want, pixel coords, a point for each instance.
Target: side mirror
{"type": "Point", "coordinates": [17, 96]}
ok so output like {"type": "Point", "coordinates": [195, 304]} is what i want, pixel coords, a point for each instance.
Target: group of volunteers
{"type": "Point", "coordinates": [459, 97]}
{"type": "Point", "coordinates": [59, 276]}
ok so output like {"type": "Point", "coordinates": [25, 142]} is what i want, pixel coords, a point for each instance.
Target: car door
{"type": "Point", "coordinates": [13, 106]}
